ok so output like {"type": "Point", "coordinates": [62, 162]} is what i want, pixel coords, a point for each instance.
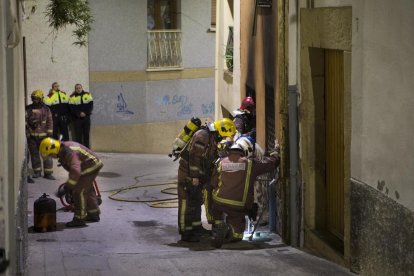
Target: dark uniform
{"type": "Point", "coordinates": [38, 126]}
{"type": "Point", "coordinates": [58, 102]}
{"type": "Point", "coordinates": [78, 103]}
{"type": "Point", "coordinates": [197, 161]}
{"type": "Point", "coordinates": [245, 123]}
{"type": "Point", "coordinates": [83, 166]}
{"type": "Point", "coordinates": [233, 195]}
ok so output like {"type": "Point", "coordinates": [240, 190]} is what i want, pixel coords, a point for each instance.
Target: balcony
{"type": "Point", "coordinates": [164, 50]}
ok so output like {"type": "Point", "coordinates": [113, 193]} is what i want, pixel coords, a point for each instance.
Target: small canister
{"type": "Point", "coordinates": [44, 214]}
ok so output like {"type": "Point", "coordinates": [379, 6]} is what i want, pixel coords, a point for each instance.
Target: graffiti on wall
{"type": "Point", "coordinates": [184, 106]}
{"type": "Point", "coordinates": [207, 109]}
{"type": "Point", "coordinates": [121, 105]}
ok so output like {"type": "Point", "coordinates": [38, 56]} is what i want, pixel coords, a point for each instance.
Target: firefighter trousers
{"type": "Point", "coordinates": [190, 199]}
{"type": "Point", "coordinates": [235, 218]}
{"type": "Point", "coordinates": [33, 145]}
{"type": "Point", "coordinates": [84, 197]}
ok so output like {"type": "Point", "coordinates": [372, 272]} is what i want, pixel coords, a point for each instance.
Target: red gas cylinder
{"type": "Point", "coordinates": [44, 214]}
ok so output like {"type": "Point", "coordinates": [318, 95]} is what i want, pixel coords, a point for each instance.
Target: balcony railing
{"type": "Point", "coordinates": [164, 50]}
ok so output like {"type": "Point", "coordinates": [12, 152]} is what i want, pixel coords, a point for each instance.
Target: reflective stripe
{"type": "Point", "coordinates": [71, 182]}
{"type": "Point", "coordinates": [208, 214]}
{"type": "Point", "coordinates": [194, 168]}
{"type": "Point", "coordinates": [40, 134]}
{"type": "Point", "coordinates": [93, 211]}
{"type": "Point", "coordinates": [98, 163]}
{"type": "Point", "coordinates": [48, 170]}
{"type": "Point", "coordinates": [182, 214]}
{"type": "Point", "coordinates": [237, 235]}
{"type": "Point", "coordinates": [196, 223]}
{"type": "Point", "coordinates": [82, 204]}
{"type": "Point", "coordinates": [218, 221]}
{"type": "Point", "coordinates": [37, 169]}
{"type": "Point", "coordinates": [246, 188]}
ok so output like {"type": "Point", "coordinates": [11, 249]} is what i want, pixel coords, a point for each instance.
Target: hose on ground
{"type": "Point", "coordinates": [154, 203]}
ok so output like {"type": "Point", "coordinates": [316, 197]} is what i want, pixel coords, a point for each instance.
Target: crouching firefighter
{"type": "Point", "coordinates": [234, 187]}
{"type": "Point", "coordinates": [194, 174]}
{"type": "Point", "coordinates": [83, 166]}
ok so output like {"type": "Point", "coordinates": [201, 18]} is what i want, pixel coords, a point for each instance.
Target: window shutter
{"type": "Point", "coordinates": [213, 13]}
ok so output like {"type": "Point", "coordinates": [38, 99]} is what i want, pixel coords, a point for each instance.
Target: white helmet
{"type": "Point", "coordinates": [245, 144]}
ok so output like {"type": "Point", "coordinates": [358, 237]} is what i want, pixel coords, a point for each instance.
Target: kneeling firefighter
{"type": "Point", "coordinates": [234, 187]}
{"type": "Point", "coordinates": [194, 174]}
{"type": "Point", "coordinates": [83, 166]}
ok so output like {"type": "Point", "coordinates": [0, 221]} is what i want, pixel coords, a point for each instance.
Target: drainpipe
{"type": "Point", "coordinates": [293, 163]}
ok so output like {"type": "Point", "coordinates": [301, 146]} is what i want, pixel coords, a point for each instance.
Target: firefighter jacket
{"type": "Point", "coordinates": [82, 102]}
{"type": "Point", "coordinates": [78, 160]}
{"type": "Point", "coordinates": [38, 121]}
{"type": "Point", "coordinates": [245, 122]}
{"type": "Point", "coordinates": [200, 154]}
{"type": "Point", "coordinates": [58, 102]}
{"type": "Point", "coordinates": [234, 179]}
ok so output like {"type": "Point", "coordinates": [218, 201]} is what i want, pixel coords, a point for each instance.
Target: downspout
{"type": "Point", "coordinates": [295, 186]}
{"type": "Point", "coordinates": [293, 163]}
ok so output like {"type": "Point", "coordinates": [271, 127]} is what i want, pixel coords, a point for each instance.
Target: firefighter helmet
{"type": "Point", "coordinates": [247, 104]}
{"type": "Point", "coordinates": [38, 94]}
{"type": "Point", "coordinates": [225, 127]}
{"type": "Point", "coordinates": [244, 144]}
{"type": "Point", "coordinates": [49, 146]}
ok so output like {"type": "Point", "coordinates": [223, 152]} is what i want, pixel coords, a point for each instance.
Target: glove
{"type": "Point", "coordinates": [276, 151]}
{"type": "Point", "coordinates": [62, 190]}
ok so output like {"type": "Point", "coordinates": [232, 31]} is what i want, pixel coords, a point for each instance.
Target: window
{"type": "Point", "coordinates": [213, 15]}
{"type": "Point", "coordinates": [164, 37]}
{"type": "Point", "coordinates": [162, 14]}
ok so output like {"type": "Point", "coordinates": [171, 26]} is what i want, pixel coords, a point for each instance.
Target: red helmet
{"type": "Point", "coordinates": [247, 103]}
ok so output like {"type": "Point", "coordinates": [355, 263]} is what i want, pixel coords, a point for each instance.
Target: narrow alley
{"type": "Point", "coordinates": [135, 239]}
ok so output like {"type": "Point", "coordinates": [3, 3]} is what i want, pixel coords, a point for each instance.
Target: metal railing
{"type": "Point", "coordinates": [164, 50]}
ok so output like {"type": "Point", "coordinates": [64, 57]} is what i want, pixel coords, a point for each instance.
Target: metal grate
{"type": "Point", "coordinates": [164, 50]}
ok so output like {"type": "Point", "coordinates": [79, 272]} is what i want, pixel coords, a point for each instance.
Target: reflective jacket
{"type": "Point", "coordinates": [38, 121]}
{"type": "Point", "coordinates": [58, 102]}
{"type": "Point", "coordinates": [82, 102]}
{"type": "Point", "coordinates": [200, 155]}
{"type": "Point", "coordinates": [78, 161]}
{"type": "Point", "coordinates": [235, 176]}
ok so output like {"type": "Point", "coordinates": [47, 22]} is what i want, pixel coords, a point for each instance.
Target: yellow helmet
{"type": "Point", "coordinates": [49, 146]}
{"type": "Point", "coordinates": [225, 127]}
{"type": "Point", "coordinates": [38, 94]}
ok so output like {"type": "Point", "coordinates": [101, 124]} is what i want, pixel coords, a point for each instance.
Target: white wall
{"type": "Point", "coordinates": [70, 64]}
{"type": "Point", "coordinates": [382, 151]}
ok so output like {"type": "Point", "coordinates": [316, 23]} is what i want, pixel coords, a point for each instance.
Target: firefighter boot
{"type": "Point", "coordinates": [49, 176]}
{"type": "Point", "coordinates": [92, 218]}
{"type": "Point", "coordinates": [190, 236]}
{"type": "Point", "coordinates": [202, 232]}
{"type": "Point", "coordinates": [220, 232]}
{"type": "Point", "coordinates": [76, 223]}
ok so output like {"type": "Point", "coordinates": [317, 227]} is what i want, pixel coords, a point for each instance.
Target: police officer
{"type": "Point", "coordinates": [233, 192]}
{"type": "Point", "coordinates": [58, 102]}
{"type": "Point", "coordinates": [83, 166]}
{"type": "Point", "coordinates": [194, 173]}
{"type": "Point", "coordinates": [81, 106]}
{"type": "Point", "coordinates": [38, 126]}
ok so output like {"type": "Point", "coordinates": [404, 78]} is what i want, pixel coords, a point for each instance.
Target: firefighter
{"type": "Point", "coordinates": [194, 174]}
{"type": "Point", "coordinates": [81, 105]}
{"type": "Point", "coordinates": [233, 193]}
{"type": "Point", "coordinates": [38, 126]}
{"type": "Point", "coordinates": [58, 102]}
{"type": "Point", "coordinates": [245, 118]}
{"type": "Point", "coordinates": [83, 166]}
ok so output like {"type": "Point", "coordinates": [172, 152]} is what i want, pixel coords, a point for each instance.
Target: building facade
{"type": "Point", "coordinates": [151, 69]}
{"type": "Point", "coordinates": [342, 96]}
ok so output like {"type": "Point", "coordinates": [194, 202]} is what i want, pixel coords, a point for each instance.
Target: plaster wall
{"type": "Point", "coordinates": [47, 60]}
{"type": "Point", "coordinates": [228, 83]}
{"type": "Point", "coordinates": [382, 154]}
{"type": "Point", "coordinates": [129, 100]}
